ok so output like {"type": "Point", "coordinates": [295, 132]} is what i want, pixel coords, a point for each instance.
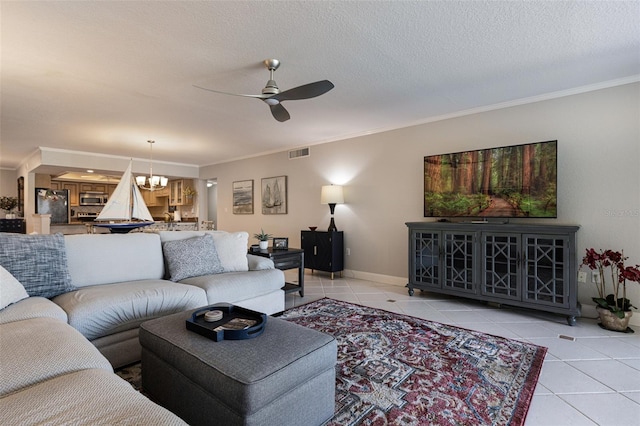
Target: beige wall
{"type": "Point", "coordinates": [598, 137]}
{"type": "Point", "coordinates": [8, 183]}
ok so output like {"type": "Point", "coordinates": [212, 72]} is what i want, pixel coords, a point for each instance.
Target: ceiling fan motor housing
{"type": "Point", "coordinates": [271, 88]}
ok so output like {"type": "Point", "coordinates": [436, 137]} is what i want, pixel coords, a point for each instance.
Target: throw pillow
{"type": "Point", "coordinates": [39, 262]}
{"type": "Point", "coordinates": [11, 291]}
{"type": "Point", "coordinates": [192, 257]}
{"type": "Point", "coordinates": [232, 249]}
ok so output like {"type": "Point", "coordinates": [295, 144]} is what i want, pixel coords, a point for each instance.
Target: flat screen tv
{"type": "Point", "coordinates": [506, 182]}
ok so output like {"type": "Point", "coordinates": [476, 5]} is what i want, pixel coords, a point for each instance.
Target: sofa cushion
{"type": "Point", "coordinates": [32, 307]}
{"type": "Point", "coordinates": [11, 291]}
{"type": "Point", "coordinates": [100, 310]}
{"type": "Point", "coordinates": [39, 349]}
{"type": "Point", "coordinates": [87, 397]}
{"type": "Point", "coordinates": [191, 257]}
{"type": "Point", "coordinates": [231, 246]}
{"type": "Point", "coordinates": [113, 258]}
{"type": "Point", "coordinates": [39, 262]}
{"type": "Point", "coordinates": [232, 287]}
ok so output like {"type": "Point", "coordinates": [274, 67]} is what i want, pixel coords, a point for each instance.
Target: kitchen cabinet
{"type": "Point", "coordinates": [155, 198]}
{"type": "Point", "coordinates": [323, 250]}
{"type": "Point", "coordinates": [94, 187]}
{"type": "Point", "coordinates": [530, 266]}
{"type": "Point", "coordinates": [176, 192]}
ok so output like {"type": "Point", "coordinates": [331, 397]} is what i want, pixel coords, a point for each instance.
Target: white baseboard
{"type": "Point", "coordinates": [378, 278]}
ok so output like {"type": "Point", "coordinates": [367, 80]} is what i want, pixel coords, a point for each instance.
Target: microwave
{"type": "Point", "coordinates": [93, 198]}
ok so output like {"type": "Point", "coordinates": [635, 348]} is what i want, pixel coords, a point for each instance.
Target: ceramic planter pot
{"type": "Point", "coordinates": [264, 245]}
{"type": "Point", "coordinates": [610, 321]}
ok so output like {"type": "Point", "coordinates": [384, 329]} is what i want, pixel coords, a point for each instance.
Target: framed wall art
{"type": "Point", "coordinates": [274, 195]}
{"type": "Point", "coordinates": [21, 195]}
{"type": "Point", "coordinates": [243, 197]}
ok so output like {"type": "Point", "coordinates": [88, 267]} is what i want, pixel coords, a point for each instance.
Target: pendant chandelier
{"type": "Point", "coordinates": [152, 183]}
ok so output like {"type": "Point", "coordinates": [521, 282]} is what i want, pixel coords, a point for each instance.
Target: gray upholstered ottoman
{"type": "Point", "coordinates": [285, 376]}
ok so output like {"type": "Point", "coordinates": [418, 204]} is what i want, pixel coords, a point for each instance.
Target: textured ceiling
{"type": "Point", "coordinates": [106, 76]}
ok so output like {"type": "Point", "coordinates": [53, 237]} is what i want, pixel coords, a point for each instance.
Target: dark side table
{"type": "Point", "coordinates": [286, 259]}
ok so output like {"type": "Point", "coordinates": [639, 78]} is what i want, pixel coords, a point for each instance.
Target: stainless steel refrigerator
{"type": "Point", "coordinates": [54, 202]}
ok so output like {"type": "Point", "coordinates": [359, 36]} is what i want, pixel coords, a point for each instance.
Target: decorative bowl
{"type": "Point", "coordinates": [313, 228]}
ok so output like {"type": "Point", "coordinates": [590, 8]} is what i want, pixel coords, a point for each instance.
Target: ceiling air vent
{"type": "Point", "coordinates": [298, 153]}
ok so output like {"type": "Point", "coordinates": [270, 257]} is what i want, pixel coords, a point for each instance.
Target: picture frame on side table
{"type": "Point", "coordinates": [274, 195]}
{"type": "Point", "coordinates": [243, 197]}
{"type": "Point", "coordinates": [281, 243]}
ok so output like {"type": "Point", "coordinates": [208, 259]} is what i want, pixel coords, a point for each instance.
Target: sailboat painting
{"type": "Point", "coordinates": [274, 195]}
{"type": "Point", "coordinates": [125, 209]}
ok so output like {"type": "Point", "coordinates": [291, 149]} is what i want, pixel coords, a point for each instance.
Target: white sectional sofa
{"type": "Point", "coordinates": [87, 296]}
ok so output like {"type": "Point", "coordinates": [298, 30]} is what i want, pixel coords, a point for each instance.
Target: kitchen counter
{"type": "Point", "coordinates": [82, 227]}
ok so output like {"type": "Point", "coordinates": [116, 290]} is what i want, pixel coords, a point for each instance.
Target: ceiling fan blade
{"type": "Point", "coordinates": [233, 94]}
{"type": "Point", "coordinates": [279, 112]}
{"type": "Point", "coordinates": [306, 91]}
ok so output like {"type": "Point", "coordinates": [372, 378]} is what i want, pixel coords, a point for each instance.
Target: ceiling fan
{"type": "Point", "coordinates": [273, 97]}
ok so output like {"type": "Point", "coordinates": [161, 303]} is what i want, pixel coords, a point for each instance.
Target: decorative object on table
{"type": "Point", "coordinates": [235, 322]}
{"type": "Point", "coordinates": [153, 183]}
{"type": "Point", "coordinates": [313, 228]}
{"type": "Point", "coordinates": [332, 195]}
{"type": "Point", "coordinates": [8, 204]}
{"type": "Point", "coordinates": [274, 195]}
{"type": "Point", "coordinates": [125, 209]}
{"type": "Point", "coordinates": [243, 197]}
{"type": "Point", "coordinates": [280, 243]}
{"type": "Point", "coordinates": [614, 309]}
{"type": "Point", "coordinates": [263, 238]}
{"type": "Point", "coordinates": [392, 366]}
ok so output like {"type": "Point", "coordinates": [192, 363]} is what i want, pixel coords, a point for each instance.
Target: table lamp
{"type": "Point", "coordinates": [332, 195]}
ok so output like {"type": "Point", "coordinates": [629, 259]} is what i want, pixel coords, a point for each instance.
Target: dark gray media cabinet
{"type": "Point", "coordinates": [528, 266]}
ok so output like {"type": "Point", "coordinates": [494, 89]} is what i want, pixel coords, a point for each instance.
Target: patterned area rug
{"type": "Point", "coordinates": [399, 370]}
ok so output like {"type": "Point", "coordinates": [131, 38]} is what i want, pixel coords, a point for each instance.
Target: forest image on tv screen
{"type": "Point", "coordinates": [511, 181]}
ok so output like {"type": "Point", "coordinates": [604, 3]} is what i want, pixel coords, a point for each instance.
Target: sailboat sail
{"type": "Point", "coordinates": [139, 208]}
{"type": "Point", "coordinates": [126, 203]}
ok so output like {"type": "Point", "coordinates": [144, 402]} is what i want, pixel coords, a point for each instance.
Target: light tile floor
{"type": "Point", "coordinates": [590, 376]}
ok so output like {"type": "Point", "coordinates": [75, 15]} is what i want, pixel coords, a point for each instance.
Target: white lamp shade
{"type": "Point", "coordinates": [331, 194]}
{"type": "Point", "coordinates": [140, 180]}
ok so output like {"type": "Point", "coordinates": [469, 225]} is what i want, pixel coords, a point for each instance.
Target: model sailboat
{"type": "Point", "coordinates": [125, 209]}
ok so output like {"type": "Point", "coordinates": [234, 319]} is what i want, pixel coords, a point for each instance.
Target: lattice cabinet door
{"type": "Point", "coordinates": [546, 270]}
{"type": "Point", "coordinates": [424, 270]}
{"type": "Point", "coordinates": [501, 258]}
{"type": "Point", "coordinates": [458, 261]}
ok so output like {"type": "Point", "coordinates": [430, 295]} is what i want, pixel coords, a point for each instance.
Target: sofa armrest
{"type": "Point", "coordinates": [258, 263]}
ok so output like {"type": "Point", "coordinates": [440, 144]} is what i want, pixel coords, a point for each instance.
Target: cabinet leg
{"type": "Point", "coordinates": [571, 320]}
{"type": "Point", "coordinates": [410, 291]}
{"type": "Point", "coordinates": [332, 275]}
